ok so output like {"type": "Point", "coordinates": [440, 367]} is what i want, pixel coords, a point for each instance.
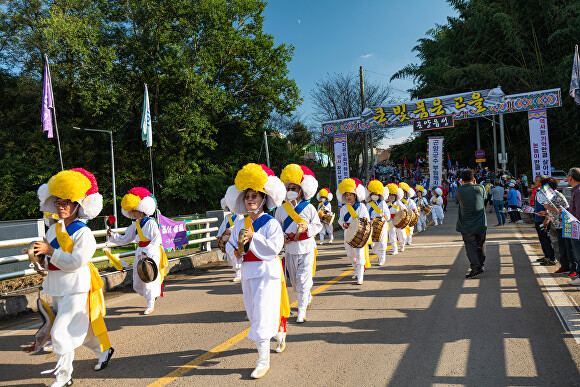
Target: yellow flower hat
{"type": "Point", "coordinates": [302, 176]}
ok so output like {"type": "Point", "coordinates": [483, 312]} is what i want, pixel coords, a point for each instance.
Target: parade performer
{"type": "Point", "coordinates": [226, 227]}
{"type": "Point", "coordinates": [324, 196]}
{"type": "Point", "coordinates": [257, 188]}
{"type": "Point", "coordinates": [408, 194]}
{"type": "Point", "coordinates": [72, 280]}
{"type": "Point", "coordinates": [391, 200]}
{"type": "Point", "coordinates": [421, 202]}
{"type": "Point", "coordinates": [298, 216]}
{"type": "Point", "coordinates": [377, 208]}
{"type": "Point", "coordinates": [350, 193]}
{"type": "Point", "coordinates": [398, 205]}
{"type": "Point", "coordinates": [138, 204]}
{"type": "Point", "coordinates": [437, 203]}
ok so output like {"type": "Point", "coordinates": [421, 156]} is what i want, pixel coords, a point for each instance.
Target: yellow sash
{"type": "Point", "coordinates": [284, 299]}
{"type": "Point", "coordinates": [230, 221]}
{"type": "Point", "coordinates": [405, 201]}
{"type": "Point", "coordinates": [163, 261]}
{"type": "Point", "coordinates": [96, 300]}
{"type": "Point", "coordinates": [376, 208]}
{"type": "Point", "coordinates": [354, 215]}
{"type": "Point", "coordinates": [395, 206]}
{"type": "Point", "coordinates": [298, 219]}
{"type": "Point", "coordinates": [248, 224]}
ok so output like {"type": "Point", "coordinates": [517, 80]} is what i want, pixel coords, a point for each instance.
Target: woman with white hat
{"type": "Point", "coordinates": [324, 197]}
{"type": "Point", "coordinates": [437, 203]}
{"type": "Point", "coordinates": [72, 280]}
{"type": "Point", "coordinates": [377, 208]}
{"type": "Point", "coordinates": [408, 201]}
{"type": "Point", "coordinates": [139, 204]}
{"type": "Point", "coordinates": [421, 201]}
{"type": "Point", "coordinates": [257, 189]}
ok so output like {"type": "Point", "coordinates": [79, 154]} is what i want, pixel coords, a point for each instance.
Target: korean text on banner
{"type": "Point", "coordinates": [540, 145]}
{"type": "Point", "coordinates": [47, 102]}
{"type": "Point", "coordinates": [570, 225]}
{"type": "Point", "coordinates": [173, 234]}
{"type": "Point", "coordinates": [435, 153]}
{"type": "Point", "coordinates": [341, 157]}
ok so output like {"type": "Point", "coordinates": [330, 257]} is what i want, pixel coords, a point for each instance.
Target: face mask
{"type": "Point", "coordinates": [257, 211]}
{"type": "Point", "coordinates": [292, 195]}
{"type": "Point", "coordinates": [375, 197]}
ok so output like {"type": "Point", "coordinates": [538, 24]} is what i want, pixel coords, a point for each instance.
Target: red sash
{"type": "Point", "coordinates": [51, 267]}
{"type": "Point", "coordinates": [250, 257]}
{"type": "Point", "coordinates": [302, 236]}
{"type": "Point", "coordinates": [144, 243]}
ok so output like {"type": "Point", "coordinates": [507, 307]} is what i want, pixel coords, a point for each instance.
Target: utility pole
{"type": "Point", "coordinates": [502, 142]}
{"type": "Point", "coordinates": [267, 153]}
{"type": "Point", "coordinates": [478, 139]}
{"type": "Point", "coordinates": [494, 145]}
{"type": "Point", "coordinates": [365, 146]}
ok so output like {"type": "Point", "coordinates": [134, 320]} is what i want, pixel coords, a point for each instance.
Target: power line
{"type": "Point", "coordinates": [394, 88]}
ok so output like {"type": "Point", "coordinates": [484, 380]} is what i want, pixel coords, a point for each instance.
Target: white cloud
{"type": "Point", "coordinates": [299, 21]}
{"type": "Point", "coordinates": [365, 56]}
{"type": "Point", "coordinates": [399, 136]}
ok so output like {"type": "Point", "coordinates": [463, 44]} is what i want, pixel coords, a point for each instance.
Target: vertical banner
{"type": "Point", "coordinates": [435, 156]}
{"type": "Point", "coordinates": [570, 226]}
{"type": "Point", "coordinates": [539, 143]}
{"type": "Point", "coordinates": [341, 158]}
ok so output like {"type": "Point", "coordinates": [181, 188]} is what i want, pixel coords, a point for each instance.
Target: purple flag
{"type": "Point", "coordinates": [173, 234]}
{"type": "Point", "coordinates": [47, 102]}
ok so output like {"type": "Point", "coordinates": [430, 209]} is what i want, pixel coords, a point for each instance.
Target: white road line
{"type": "Point", "coordinates": [565, 310]}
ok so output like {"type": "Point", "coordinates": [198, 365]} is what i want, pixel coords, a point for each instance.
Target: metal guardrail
{"type": "Point", "coordinates": [207, 239]}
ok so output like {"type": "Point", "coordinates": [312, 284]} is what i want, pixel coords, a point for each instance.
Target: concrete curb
{"type": "Point", "coordinates": [25, 302]}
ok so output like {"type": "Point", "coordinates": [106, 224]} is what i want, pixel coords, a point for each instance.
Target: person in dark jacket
{"type": "Point", "coordinates": [471, 221]}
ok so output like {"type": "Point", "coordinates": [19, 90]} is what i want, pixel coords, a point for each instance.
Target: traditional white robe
{"type": "Point", "coordinates": [422, 223]}
{"type": "Point", "coordinates": [400, 233]}
{"type": "Point", "coordinates": [150, 230]}
{"type": "Point", "coordinates": [410, 203]}
{"type": "Point", "coordinates": [223, 227]}
{"type": "Point", "coordinates": [437, 212]}
{"type": "Point", "coordinates": [380, 247]}
{"type": "Point", "coordinates": [261, 280]}
{"type": "Point", "coordinates": [327, 229]}
{"type": "Point", "coordinates": [355, 256]}
{"type": "Point", "coordinates": [299, 259]}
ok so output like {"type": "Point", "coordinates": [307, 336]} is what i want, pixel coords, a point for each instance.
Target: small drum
{"type": "Point", "coordinates": [242, 248]}
{"type": "Point", "coordinates": [147, 269]}
{"type": "Point", "coordinates": [401, 219]}
{"type": "Point", "coordinates": [358, 233]}
{"type": "Point", "coordinates": [426, 209]}
{"type": "Point", "coordinates": [414, 219]}
{"type": "Point", "coordinates": [379, 228]}
{"type": "Point", "coordinates": [328, 218]}
{"type": "Point", "coordinates": [36, 261]}
{"type": "Point", "coordinates": [298, 232]}
{"type": "Point", "coordinates": [321, 214]}
{"type": "Point", "coordinates": [223, 239]}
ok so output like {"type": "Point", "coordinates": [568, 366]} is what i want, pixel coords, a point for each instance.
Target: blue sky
{"type": "Point", "coordinates": [339, 36]}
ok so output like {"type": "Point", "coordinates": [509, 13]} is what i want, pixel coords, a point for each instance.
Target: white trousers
{"type": "Point", "coordinates": [299, 268]}
{"type": "Point", "coordinates": [402, 237]}
{"type": "Point", "coordinates": [235, 264]}
{"type": "Point", "coordinates": [262, 302]}
{"type": "Point", "coordinates": [422, 223]}
{"type": "Point", "coordinates": [410, 236]}
{"type": "Point", "coordinates": [393, 236]}
{"type": "Point", "coordinates": [437, 214]}
{"type": "Point", "coordinates": [70, 330]}
{"type": "Point", "coordinates": [151, 290]}
{"type": "Point", "coordinates": [355, 256]}
{"type": "Point", "coordinates": [326, 230]}
{"type": "Point", "coordinates": [380, 247]}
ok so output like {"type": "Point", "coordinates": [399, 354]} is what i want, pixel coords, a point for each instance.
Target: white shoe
{"type": "Point", "coordinates": [281, 339]}
{"type": "Point", "coordinates": [354, 276]}
{"type": "Point", "coordinates": [381, 263]}
{"type": "Point", "coordinates": [330, 241]}
{"type": "Point", "coordinates": [47, 348]}
{"type": "Point", "coordinates": [62, 384]}
{"type": "Point", "coordinates": [103, 364]}
{"type": "Point", "coordinates": [321, 243]}
{"type": "Point", "coordinates": [402, 249]}
{"type": "Point", "coordinates": [394, 252]}
{"type": "Point", "coordinates": [301, 317]}
{"type": "Point", "coordinates": [575, 281]}
{"type": "Point", "coordinates": [149, 310]}
{"type": "Point", "coordinates": [238, 276]}
{"type": "Point", "coordinates": [359, 282]}
{"type": "Point", "coordinates": [260, 371]}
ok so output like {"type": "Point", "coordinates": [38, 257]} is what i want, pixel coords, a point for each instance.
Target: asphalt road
{"type": "Point", "coordinates": [415, 321]}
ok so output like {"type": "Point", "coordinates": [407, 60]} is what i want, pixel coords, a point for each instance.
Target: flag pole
{"type": "Point", "coordinates": [54, 112]}
{"type": "Point", "coordinates": [151, 163]}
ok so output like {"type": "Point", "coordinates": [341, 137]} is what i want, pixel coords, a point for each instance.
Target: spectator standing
{"type": "Point", "coordinates": [445, 195]}
{"type": "Point", "coordinates": [497, 198]}
{"type": "Point", "coordinates": [512, 199]}
{"type": "Point", "coordinates": [554, 216]}
{"type": "Point", "coordinates": [524, 185]}
{"type": "Point", "coordinates": [573, 179]}
{"type": "Point", "coordinates": [471, 221]}
{"type": "Point", "coordinates": [542, 228]}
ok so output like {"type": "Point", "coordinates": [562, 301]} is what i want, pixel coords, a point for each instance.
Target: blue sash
{"type": "Point", "coordinates": [71, 229]}
{"type": "Point", "coordinates": [143, 221]}
{"type": "Point", "coordinates": [233, 217]}
{"type": "Point", "coordinates": [288, 221]}
{"type": "Point", "coordinates": [262, 220]}
{"type": "Point", "coordinates": [347, 215]}
{"type": "Point", "coordinates": [372, 209]}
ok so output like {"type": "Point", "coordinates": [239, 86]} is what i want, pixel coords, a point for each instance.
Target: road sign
{"type": "Point", "coordinates": [479, 154]}
{"type": "Point", "coordinates": [480, 160]}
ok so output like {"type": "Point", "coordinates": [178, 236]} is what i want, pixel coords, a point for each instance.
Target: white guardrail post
{"type": "Point", "coordinates": [207, 239]}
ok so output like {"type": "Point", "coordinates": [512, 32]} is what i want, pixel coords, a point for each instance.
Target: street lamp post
{"type": "Point", "coordinates": [112, 166]}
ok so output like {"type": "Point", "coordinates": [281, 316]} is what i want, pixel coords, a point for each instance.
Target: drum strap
{"type": "Point", "coordinates": [163, 261]}
{"type": "Point", "coordinates": [405, 201]}
{"type": "Point", "coordinates": [292, 214]}
{"type": "Point", "coordinates": [351, 211]}
{"type": "Point", "coordinates": [395, 206]}
{"type": "Point", "coordinates": [231, 220]}
{"type": "Point", "coordinates": [376, 208]}
{"type": "Point", "coordinates": [96, 300]}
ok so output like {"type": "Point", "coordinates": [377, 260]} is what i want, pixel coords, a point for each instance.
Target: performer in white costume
{"type": "Point", "coordinates": [257, 188]}
{"type": "Point", "coordinates": [437, 203]}
{"type": "Point", "coordinates": [139, 204]}
{"type": "Point", "coordinates": [395, 205]}
{"type": "Point", "coordinates": [377, 208]}
{"type": "Point", "coordinates": [324, 197]}
{"type": "Point", "coordinates": [408, 194]}
{"type": "Point", "coordinates": [72, 281]}
{"type": "Point", "coordinates": [227, 225]}
{"type": "Point", "coordinates": [421, 201]}
{"type": "Point", "coordinates": [301, 185]}
{"type": "Point", "coordinates": [390, 199]}
{"type": "Point", "coordinates": [351, 193]}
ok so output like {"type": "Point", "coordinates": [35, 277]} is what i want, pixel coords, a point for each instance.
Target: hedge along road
{"type": "Point", "coordinates": [414, 321]}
